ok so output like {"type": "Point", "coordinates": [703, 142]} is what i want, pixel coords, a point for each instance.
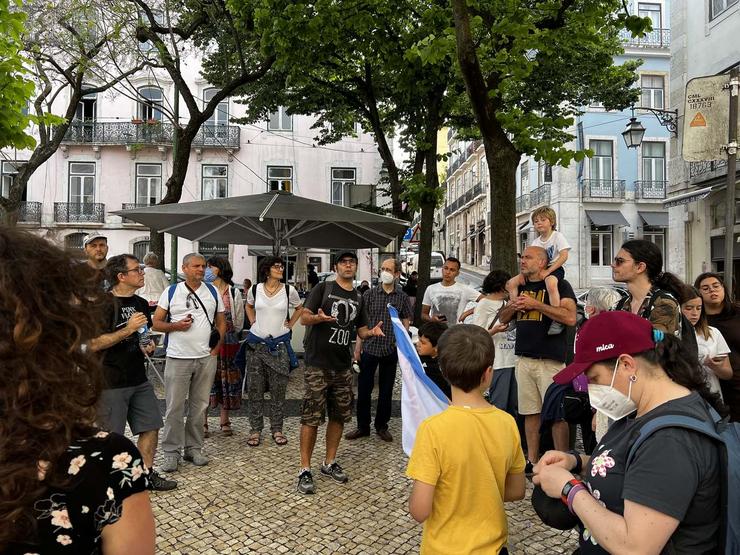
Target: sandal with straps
{"type": "Point", "coordinates": [279, 438]}
{"type": "Point", "coordinates": [254, 439]}
{"type": "Point", "coordinates": [226, 429]}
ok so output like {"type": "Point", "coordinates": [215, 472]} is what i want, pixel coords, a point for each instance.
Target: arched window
{"type": "Point", "coordinates": [140, 249]}
{"type": "Point", "coordinates": [74, 240]}
{"type": "Point", "coordinates": [150, 103]}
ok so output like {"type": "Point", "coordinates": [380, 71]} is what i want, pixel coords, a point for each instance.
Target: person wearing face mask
{"type": "Point", "coordinates": [380, 352]}
{"type": "Point", "coordinates": [667, 499]}
{"type": "Point", "coordinates": [226, 391]}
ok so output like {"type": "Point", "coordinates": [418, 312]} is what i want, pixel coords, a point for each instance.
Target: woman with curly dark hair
{"type": "Point", "coordinates": [65, 486]}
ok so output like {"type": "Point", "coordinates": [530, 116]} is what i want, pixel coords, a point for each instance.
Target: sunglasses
{"type": "Point", "coordinates": [618, 260]}
{"type": "Point", "coordinates": [191, 298]}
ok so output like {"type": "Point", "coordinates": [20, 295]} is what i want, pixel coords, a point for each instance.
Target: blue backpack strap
{"type": "Point", "coordinates": [672, 421]}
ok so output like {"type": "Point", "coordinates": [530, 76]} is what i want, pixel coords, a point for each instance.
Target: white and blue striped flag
{"type": "Point", "coordinates": [420, 396]}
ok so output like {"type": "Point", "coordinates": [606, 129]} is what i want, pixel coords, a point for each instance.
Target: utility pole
{"type": "Point", "coordinates": [175, 131]}
{"type": "Point", "coordinates": [730, 194]}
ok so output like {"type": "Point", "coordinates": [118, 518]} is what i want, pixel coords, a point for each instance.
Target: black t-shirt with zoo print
{"type": "Point", "coordinates": [329, 345]}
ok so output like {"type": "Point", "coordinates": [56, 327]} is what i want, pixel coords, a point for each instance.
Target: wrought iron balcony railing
{"type": "Point", "coordinates": [28, 213]}
{"type": "Point", "coordinates": [699, 168]}
{"type": "Point", "coordinates": [650, 189]}
{"type": "Point", "coordinates": [657, 38]}
{"type": "Point", "coordinates": [147, 133]}
{"type": "Point", "coordinates": [541, 195]}
{"type": "Point", "coordinates": [75, 212]}
{"type": "Point", "coordinates": [522, 203]}
{"type": "Point", "coordinates": [130, 205]}
{"type": "Point", "coordinates": [603, 188]}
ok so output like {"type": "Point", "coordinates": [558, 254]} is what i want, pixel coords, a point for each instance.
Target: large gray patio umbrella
{"type": "Point", "coordinates": [278, 219]}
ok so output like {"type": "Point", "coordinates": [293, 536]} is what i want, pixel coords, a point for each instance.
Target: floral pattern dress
{"type": "Point", "coordinates": [103, 470]}
{"type": "Point", "coordinates": [227, 385]}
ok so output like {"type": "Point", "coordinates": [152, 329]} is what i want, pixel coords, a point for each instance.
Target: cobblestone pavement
{"type": "Point", "coordinates": [245, 500]}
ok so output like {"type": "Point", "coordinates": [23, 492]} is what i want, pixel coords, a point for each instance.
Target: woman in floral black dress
{"type": "Point", "coordinates": [65, 486]}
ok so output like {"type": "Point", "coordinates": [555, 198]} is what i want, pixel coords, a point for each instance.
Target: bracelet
{"type": "Point", "coordinates": [572, 495]}
{"type": "Point", "coordinates": [579, 462]}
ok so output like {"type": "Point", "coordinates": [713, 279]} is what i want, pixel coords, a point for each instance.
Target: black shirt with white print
{"type": "Point", "coordinates": [123, 363]}
{"type": "Point", "coordinates": [675, 472]}
{"type": "Point", "coordinates": [329, 344]}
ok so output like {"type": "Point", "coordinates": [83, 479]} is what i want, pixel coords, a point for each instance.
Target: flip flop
{"type": "Point", "coordinates": [254, 439]}
{"type": "Point", "coordinates": [279, 438]}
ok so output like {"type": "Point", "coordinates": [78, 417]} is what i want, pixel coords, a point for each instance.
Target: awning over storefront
{"type": "Point", "coordinates": [655, 219]}
{"type": "Point", "coordinates": [525, 227]}
{"type": "Point", "coordinates": [606, 217]}
{"type": "Point", "coordinates": [686, 198]}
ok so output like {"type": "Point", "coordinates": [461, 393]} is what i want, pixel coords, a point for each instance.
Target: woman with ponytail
{"type": "Point", "coordinates": [667, 499]}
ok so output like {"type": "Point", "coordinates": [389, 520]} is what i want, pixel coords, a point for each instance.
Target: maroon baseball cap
{"type": "Point", "coordinates": [606, 336]}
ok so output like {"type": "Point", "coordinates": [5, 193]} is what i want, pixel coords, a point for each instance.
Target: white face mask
{"type": "Point", "coordinates": [386, 278]}
{"type": "Point", "coordinates": [611, 402]}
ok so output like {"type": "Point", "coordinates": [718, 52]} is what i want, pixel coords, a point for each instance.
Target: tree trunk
{"type": "Point", "coordinates": [503, 162]}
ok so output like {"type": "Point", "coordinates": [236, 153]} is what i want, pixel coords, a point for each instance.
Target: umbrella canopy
{"type": "Point", "coordinates": [279, 219]}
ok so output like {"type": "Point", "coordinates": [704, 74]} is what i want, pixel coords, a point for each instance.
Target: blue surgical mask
{"type": "Point", "coordinates": [209, 277]}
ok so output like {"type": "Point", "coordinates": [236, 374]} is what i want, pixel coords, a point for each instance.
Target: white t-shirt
{"type": "Point", "coordinates": [553, 245]}
{"type": "Point", "coordinates": [192, 343]}
{"type": "Point", "coordinates": [450, 300]}
{"type": "Point", "coordinates": [710, 348]}
{"type": "Point", "coordinates": [271, 312]}
{"type": "Point", "coordinates": [504, 341]}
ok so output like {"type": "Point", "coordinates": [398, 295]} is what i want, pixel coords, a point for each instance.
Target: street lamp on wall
{"type": "Point", "coordinates": [634, 132]}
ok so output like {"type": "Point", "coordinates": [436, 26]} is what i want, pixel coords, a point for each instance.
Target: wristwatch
{"type": "Point", "coordinates": [579, 462]}
{"type": "Point", "coordinates": [569, 485]}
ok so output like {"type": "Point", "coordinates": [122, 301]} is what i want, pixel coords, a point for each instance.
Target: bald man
{"type": "Point", "coordinates": [541, 356]}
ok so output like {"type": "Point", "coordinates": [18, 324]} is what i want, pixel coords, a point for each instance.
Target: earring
{"type": "Point", "coordinates": [633, 378]}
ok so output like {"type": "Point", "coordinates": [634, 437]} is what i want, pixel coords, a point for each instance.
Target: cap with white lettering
{"type": "Point", "coordinates": [606, 336]}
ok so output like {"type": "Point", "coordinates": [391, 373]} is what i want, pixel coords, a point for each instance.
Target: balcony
{"type": "Point", "coordinates": [522, 203]}
{"type": "Point", "coordinates": [541, 195]}
{"type": "Point", "coordinates": [649, 190]}
{"type": "Point", "coordinates": [477, 189]}
{"type": "Point", "coordinates": [596, 189]}
{"type": "Point", "coordinates": [75, 212]}
{"type": "Point", "coordinates": [154, 134]}
{"type": "Point", "coordinates": [28, 213]}
{"type": "Point", "coordinates": [701, 169]}
{"type": "Point", "coordinates": [130, 205]}
{"type": "Point", "coordinates": [657, 38]}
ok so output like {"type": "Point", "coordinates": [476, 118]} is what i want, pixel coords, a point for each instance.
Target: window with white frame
{"type": "Point", "coordinates": [150, 103]}
{"type": "Point", "coordinates": [601, 245]}
{"type": "Point", "coordinates": [280, 120]}
{"type": "Point", "coordinates": [602, 162]}
{"type": "Point", "coordinates": [651, 10]}
{"type": "Point", "coordinates": [653, 91]}
{"type": "Point", "coordinates": [653, 161]}
{"type": "Point", "coordinates": [214, 181]}
{"type": "Point", "coordinates": [148, 183]}
{"type": "Point", "coordinates": [87, 107]}
{"type": "Point", "coordinates": [147, 46]}
{"type": "Point", "coordinates": [342, 179]}
{"type": "Point", "coordinates": [8, 171]}
{"type": "Point", "coordinates": [81, 182]}
{"type": "Point", "coordinates": [717, 7]}
{"type": "Point", "coordinates": [524, 176]}
{"type": "Point", "coordinates": [279, 178]}
{"type": "Point", "coordinates": [656, 236]}
{"type": "Point", "coordinates": [545, 172]}
{"type": "Point", "coordinates": [221, 114]}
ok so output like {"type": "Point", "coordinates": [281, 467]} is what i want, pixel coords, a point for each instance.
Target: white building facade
{"type": "Point", "coordinates": [118, 154]}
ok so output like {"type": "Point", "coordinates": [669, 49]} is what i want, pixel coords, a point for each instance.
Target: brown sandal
{"type": "Point", "coordinates": [279, 438]}
{"type": "Point", "coordinates": [254, 439]}
{"type": "Point", "coordinates": [226, 429]}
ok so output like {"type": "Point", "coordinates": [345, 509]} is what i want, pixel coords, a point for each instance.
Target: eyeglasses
{"type": "Point", "coordinates": [188, 300]}
{"type": "Point", "coordinates": [712, 287]}
{"type": "Point", "coordinates": [139, 270]}
{"type": "Point", "coordinates": [618, 260]}
{"type": "Point", "coordinates": [278, 267]}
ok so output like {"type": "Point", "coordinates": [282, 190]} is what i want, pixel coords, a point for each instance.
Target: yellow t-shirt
{"type": "Point", "coordinates": [466, 454]}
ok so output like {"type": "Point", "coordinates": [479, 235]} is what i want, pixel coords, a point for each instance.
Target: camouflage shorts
{"type": "Point", "coordinates": [326, 391]}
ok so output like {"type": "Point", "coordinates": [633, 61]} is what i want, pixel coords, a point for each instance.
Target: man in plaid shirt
{"type": "Point", "coordinates": [380, 351]}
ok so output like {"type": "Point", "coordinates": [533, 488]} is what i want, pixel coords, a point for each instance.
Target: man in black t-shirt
{"type": "Point", "coordinates": [541, 356]}
{"type": "Point", "coordinates": [128, 396]}
{"type": "Point", "coordinates": [333, 311]}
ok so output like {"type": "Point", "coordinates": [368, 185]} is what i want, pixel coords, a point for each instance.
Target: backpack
{"type": "Point", "coordinates": [171, 293]}
{"type": "Point", "coordinates": [688, 333]}
{"type": "Point", "coordinates": [727, 435]}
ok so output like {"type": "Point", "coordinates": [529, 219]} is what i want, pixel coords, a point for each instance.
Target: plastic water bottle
{"type": "Point", "coordinates": [355, 367]}
{"type": "Point", "coordinates": [144, 336]}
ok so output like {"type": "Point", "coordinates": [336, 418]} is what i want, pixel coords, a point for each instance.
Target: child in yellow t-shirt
{"type": "Point", "coordinates": [467, 460]}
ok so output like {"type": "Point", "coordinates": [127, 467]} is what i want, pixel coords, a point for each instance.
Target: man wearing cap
{"type": "Point", "coordinates": [541, 356]}
{"type": "Point", "coordinates": [95, 246]}
{"type": "Point", "coordinates": [331, 312]}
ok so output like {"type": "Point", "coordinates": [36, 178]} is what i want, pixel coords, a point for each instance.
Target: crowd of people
{"type": "Point", "coordinates": [654, 347]}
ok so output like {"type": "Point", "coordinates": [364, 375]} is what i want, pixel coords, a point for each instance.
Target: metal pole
{"type": "Point", "coordinates": [730, 193]}
{"type": "Point", "coordinates": [176, 117]}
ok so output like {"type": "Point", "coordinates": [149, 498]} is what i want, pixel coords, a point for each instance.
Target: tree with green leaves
{"type": "Point", "coordinates": [529, 66]}
{"type": "Point", "coordinates": [175, 29]}
{"type": "Point", "coordinates": [71, 48]}
{"type": "Point", "coordinates": [15, 85]}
